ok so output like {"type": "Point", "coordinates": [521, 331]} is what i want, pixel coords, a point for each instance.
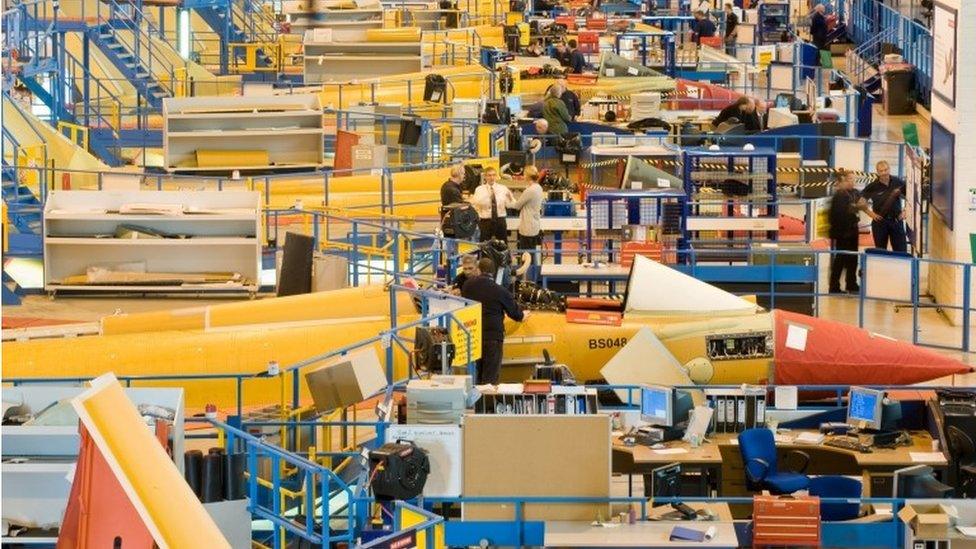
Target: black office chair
{"type": "Point", "coordinates": [963, 453]}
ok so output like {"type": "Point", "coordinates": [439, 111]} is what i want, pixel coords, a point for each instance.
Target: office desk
{"type": "Point", "coordinates": [641, 534]}
{"type": "Point", "coordinates": [720, 461]}
{"type": "Point", "coordinates": [610, 274]}
{"type": "Point", "coordinates": [639, 459]}
{"type": "Point", "coordinates": [825, 460]}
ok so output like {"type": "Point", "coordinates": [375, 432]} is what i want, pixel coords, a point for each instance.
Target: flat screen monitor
{"type": "Point", "coordinates": [919, 482]}
{"type": "Point", "coordinates": [864, 407]}
{"type": "Point", "coordinates": [657, 405]}
{"type": "Point", "coordinates": [514, 103]}
{"type": "Point", "coordinates": [666, 481]}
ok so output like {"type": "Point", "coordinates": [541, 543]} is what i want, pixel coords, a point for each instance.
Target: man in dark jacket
{"type": "Point", "coordinates": [743, 110]}
{"type": "Point", "coordinates": [569, 97]}
{"type": "Point", "coordinates": [888, 215]}
{"type": "Point", "coordinates": [451, 189]}
{"type": "Point", "coordinates": [577, 63]}
{"type": "Point", "coordinates": [496, 303]}
{"type": "Point", "coordinates": [702, 27]}
{"type": "Point", "coordinates": [818, 27]}
{"type": "Point", "coordinates": [843, 215]}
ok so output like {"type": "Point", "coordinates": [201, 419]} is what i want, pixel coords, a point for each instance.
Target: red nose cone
{"type": "Point", "coordinates": [814, 351]}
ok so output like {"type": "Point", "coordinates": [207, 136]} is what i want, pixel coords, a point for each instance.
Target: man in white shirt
{"type": "Point", "coordinates": [490, 200]}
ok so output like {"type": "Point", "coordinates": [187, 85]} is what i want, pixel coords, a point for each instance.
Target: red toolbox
{"type": "Point", "coordinates": [650, 250]}
{"type": "Point", "coordinates": [588, 41]}
{"type": "Point", "coordinates": [568, 20]}
{"type": "Point", "coordinates": [596, 23]}
{"type": "Point", "coordinates": [786, 520]}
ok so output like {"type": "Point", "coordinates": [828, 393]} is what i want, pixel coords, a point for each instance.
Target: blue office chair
{"type": "Point", "coordinates": [837, 487]}
{"type": "Point", "coordinates": [758, 449]}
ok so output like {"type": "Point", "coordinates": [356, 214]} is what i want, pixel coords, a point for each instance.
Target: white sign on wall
{"type": "Point", "coordinates": [944, 22]}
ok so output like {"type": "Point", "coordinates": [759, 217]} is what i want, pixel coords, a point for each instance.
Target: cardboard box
{"type": "Point", "coordinates": [346, 380]}
{"type": "Point", "coordinates": [927, 521]}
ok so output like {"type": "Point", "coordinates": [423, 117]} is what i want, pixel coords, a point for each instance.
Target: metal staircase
{"type": "Point", "coordinates": [23, 205]}
{"type": "Point", "coordinates": [862, 61]}
{"type": "Point", "coordinates": [142, 61]}
{"type": "Point", "coordinates": [241, 26]}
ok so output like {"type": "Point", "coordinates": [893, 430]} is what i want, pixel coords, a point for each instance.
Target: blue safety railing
{"type": "Point", "coordinates": [871, 24]}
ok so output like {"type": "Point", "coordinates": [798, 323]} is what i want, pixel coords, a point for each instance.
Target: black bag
{"type": "Point", "coordinates": [410, 130]}
{"type": "Point", "coordinates": [460, 221]}
{"type": "Point", "coordinates": [403, 469]}
{"type": "Point", "coordinates": [569, 147]}
{"type": "Point", "coordinates": [435, 88]}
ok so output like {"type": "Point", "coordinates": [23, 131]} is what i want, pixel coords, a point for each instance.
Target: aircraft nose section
{"type": "Point", "coordinates": [815, 351]}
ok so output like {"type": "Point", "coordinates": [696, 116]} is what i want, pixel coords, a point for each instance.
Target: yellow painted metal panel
{"type": "Point", "coordinates": [246, 349]}
{"type": "Point", "coordinates": [348, 303]}
{"type": "Point", "coordinates": [410, 518]}
{"type": "Point", "coordinates": [403, 34]}
{"type": "Point", "coordinates": [168, 507]}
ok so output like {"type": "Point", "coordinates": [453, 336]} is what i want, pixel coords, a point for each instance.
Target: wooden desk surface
{"type": "Point", "coordinates": [708, 453]}
{"type": "Point", "coordinates": [640, 534]}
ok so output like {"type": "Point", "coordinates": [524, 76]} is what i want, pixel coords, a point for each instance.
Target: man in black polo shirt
{"type": "Point", "coordinates": [843, 215]}
{"type": "Point", "coordinates": [496, 302]}
{"type": "Point", "coordinates": [451, 189]}
{"type": "Point", "coordinates": [887, 214]}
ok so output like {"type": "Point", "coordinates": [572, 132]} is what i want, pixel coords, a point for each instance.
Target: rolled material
{"type": "Point", "coordinates": [213, 486]}
{"type": "Point", "coordinates": [234, 485]}
{"type": "Point", "coordinates": [193, 470]}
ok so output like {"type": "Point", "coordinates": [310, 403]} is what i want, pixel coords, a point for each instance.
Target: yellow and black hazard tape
{"type": "Point", "coordinates": [858, 175]}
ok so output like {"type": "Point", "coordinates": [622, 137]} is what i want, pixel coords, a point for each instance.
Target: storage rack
{"type": "Point", "coordinates": [289, 129]}
{"type": "Point", "coordinates": [562, 400]}
{"type": "Point", "coordinates": [718, 214]}
{"type": "Point", "coordinates": [222, 238]}
{"type": "Point", "coordinates": [654, 50]}
{"type": "Point", "coordinates": [304, 17]}
{"type": "Point", "coordinates": [346, 61]}
{"type": "Point", "coordinates": [774, 20]}
{"type": "Point", "coordinates": [660, 213]}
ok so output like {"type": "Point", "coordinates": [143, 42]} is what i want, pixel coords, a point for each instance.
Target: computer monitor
{"type": "Point", "coordinates": [783, 100]}
{"type": "Point", "coordinates": [657, 405]}
{"type": "Point", "coordinates": [864, 408]}
{"type": "Point", "coordinates": [431, 402]}
{"type": "Point", "coordinates": [665, 481]}
{"type": "Point", "coordinates": [919, 482]}
{"type": "Point", "coordinates": [781, 117]}
{"type": "Point", "coordinates": [514, 103]}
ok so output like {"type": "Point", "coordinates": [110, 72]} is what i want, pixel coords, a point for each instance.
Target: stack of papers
{"type": "Point", "coordinates": [926, 457]}
{"type": "Point", "coordinates": [968, 531]}
{"type": "Point", "coordinates": [809, 438]}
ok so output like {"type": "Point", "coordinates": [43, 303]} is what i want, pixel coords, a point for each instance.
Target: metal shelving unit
{"type": "Point", "coordinates": [732, 198]}
{"type": "Point", "coordinates": [660, 213]}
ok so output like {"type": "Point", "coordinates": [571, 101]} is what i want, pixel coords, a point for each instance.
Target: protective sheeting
{"type": "Point", "coordinates": [643, 360]}
{"type": "Point", "coordinates": [654, 288]}
{"type": "Point", "coordinates": [815, 351]}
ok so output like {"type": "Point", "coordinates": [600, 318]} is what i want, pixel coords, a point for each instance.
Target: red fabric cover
{"type": "Point", "coordinates": [713, 97]}
{"type": "Point", "coordinates": [791, 226]}
{"type": "Point", "coordinates": [838, 353]}
{"type": "Point", "coordinates": [594, 304]}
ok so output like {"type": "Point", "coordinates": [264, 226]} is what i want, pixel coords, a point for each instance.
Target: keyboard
{"type": "Point", "coordinates": [958, 409]}
{"type": "Point", "coordinates": [643, 439]}
{"type": "Point", "coordinates": [848, 444]}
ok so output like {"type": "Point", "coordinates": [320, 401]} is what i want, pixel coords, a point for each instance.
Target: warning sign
{"type": "Point", "coordinates": [470, 318]}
